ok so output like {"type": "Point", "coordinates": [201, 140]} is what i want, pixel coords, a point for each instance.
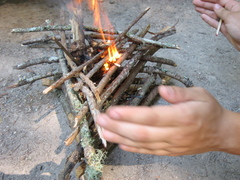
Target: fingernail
{"type": "Point", "coordinates": [168, 90]}
{"type": "Point", "coordinates": [100, 120]}
{"type": "Point", "coordinates": [113, 113]}
{"type": "Point", "coordinates": [217, 6]}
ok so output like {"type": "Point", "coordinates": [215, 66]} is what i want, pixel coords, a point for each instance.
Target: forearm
{"type": "Point", "coordinates": [230, 133]}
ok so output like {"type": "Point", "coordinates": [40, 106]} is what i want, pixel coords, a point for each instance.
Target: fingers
{"type": "Point", "coordinates": [221, 12]}
{"type": "Point", "coordinates": [151, 145]}
{"type": "Point", "coordinates": [144, 115]}
{"type": "Point", "coordinates": [209, 13]}
{"type": "Point", "coordinates": [210, 21]}
{"type": "Point", "coordinates": [131, 131]}
{"type": "Point", "coordinates": [174, 115]}
{"type": "Point", "coordinates": [159, 152]}
{"type": "Point", "coordinates": [175, 94]}
{"type": "Point", "coordinates": [165, 116]}
{"type": "Point", "coordinates": [204, 5]}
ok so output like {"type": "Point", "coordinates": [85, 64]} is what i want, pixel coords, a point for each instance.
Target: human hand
{"type": "Point", "coordinates": [192, 124]}
{"type": "Point", "coordinates": [212, 10]}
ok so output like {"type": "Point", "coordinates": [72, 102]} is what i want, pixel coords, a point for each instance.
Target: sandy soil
{"type": "Point", "coordinates": [33, 126]}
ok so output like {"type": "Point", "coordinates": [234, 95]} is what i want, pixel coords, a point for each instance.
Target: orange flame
{"type": "Point", "coordinates": [98, 13]}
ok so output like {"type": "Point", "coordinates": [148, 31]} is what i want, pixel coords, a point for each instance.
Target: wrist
{"type": "Point", "coordinates": [229, 130]}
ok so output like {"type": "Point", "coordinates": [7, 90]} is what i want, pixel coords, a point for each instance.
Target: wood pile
{"type": "Point", "coordinates": [92, 83]}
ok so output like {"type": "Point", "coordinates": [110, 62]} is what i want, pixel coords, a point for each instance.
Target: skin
{"type": "Point", "coordinates": [194, 122]}
{"type": "Point", "coordinates": [211, 10]}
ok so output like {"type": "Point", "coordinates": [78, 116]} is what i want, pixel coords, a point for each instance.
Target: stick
{"type": "Point", "coordinates": [24, 80]}
{"type": "Point", "coordinates": [161, 71]}
{"type": "Point", "coordinates": [72, 73]}
{"type": "Point", "coordinates": [159, 60]}
{"type": "Point", "coordinates": [91, 85]}
{"type": "Point", "coordinates": [42, 28]}
{"type": "Point", "coordinates": [94, 111]}
{"type": "Point", "coordinates": [145, 87]}
{"type": "Point", "coordinates": [32, 62]}
{"type": "Point", "coordinates": [150, 97]}
{"type": "Point", "coordinates": [153, 42]}
{"type": "Point", "coordinates": [136, 70]}
{"type": "Point", "coordinates": [74, 101]}
{"type": "Point", "coordinates": [72, 136]}
{"type": "Point", "coordinates": [106, 79]}
{"type": "Point", "coordinates": [132, 24]}
{"type": "Point", "coordinates": [219, 27]}
{"type": "Point", "coordinates": [43, 39]}
{"type": "Point", "coordinates": [80, 115]}
{"type": "Point", "coordinates": [70, 163]}
{"type": "Point", "coordinates": [64, 50]}
{"type": "Point", "coordinates": [60, 28]}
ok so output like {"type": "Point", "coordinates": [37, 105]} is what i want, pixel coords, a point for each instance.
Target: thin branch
{"type": "Point", "coordinates": [159, 60]}
{"type": "Point", "coordinates": [42, 28]}
{"type": "Point", "coordinates": [186, 81]}
{"type": "Point", "coordinates": [90, 84]}
{"type": "Point", "coordinates": [28, 80]}
{"type": "Point", "coordinates": [150, 97]}
{"type": "Point", "coordinates": [72, 73]}
{"type": "Point", "coordinates": [32, 62]}
{"type": "Point", "coordinates": [94, 111]}
{"type": "Point", "coordinates": [146, 41]}
{"type": "Point", "coordinates": [141, 93]}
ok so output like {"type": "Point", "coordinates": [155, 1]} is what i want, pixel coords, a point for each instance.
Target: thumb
{"type": "Point", "coordinates": [221, 12]}
{"type": "Point", "coordinates": [173, 94]}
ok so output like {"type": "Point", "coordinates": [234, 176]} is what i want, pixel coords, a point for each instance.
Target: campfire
{"type": "Point", "coordinates": [100, 67]}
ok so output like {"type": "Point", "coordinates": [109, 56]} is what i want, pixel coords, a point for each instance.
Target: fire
{"type": "Point", "coordinates": [113, 53]}
{"type": "Point", "coordinates": [98, 14]}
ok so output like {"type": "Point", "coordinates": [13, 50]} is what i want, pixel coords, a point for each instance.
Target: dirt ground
{"type": "Point", "coordinates": [33, 126]}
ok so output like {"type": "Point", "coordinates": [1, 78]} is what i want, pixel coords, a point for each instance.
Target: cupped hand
{"type": "Point", "coordinates": [192, 124]}
{"type": "Point", "coordinates": [228, 11]}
